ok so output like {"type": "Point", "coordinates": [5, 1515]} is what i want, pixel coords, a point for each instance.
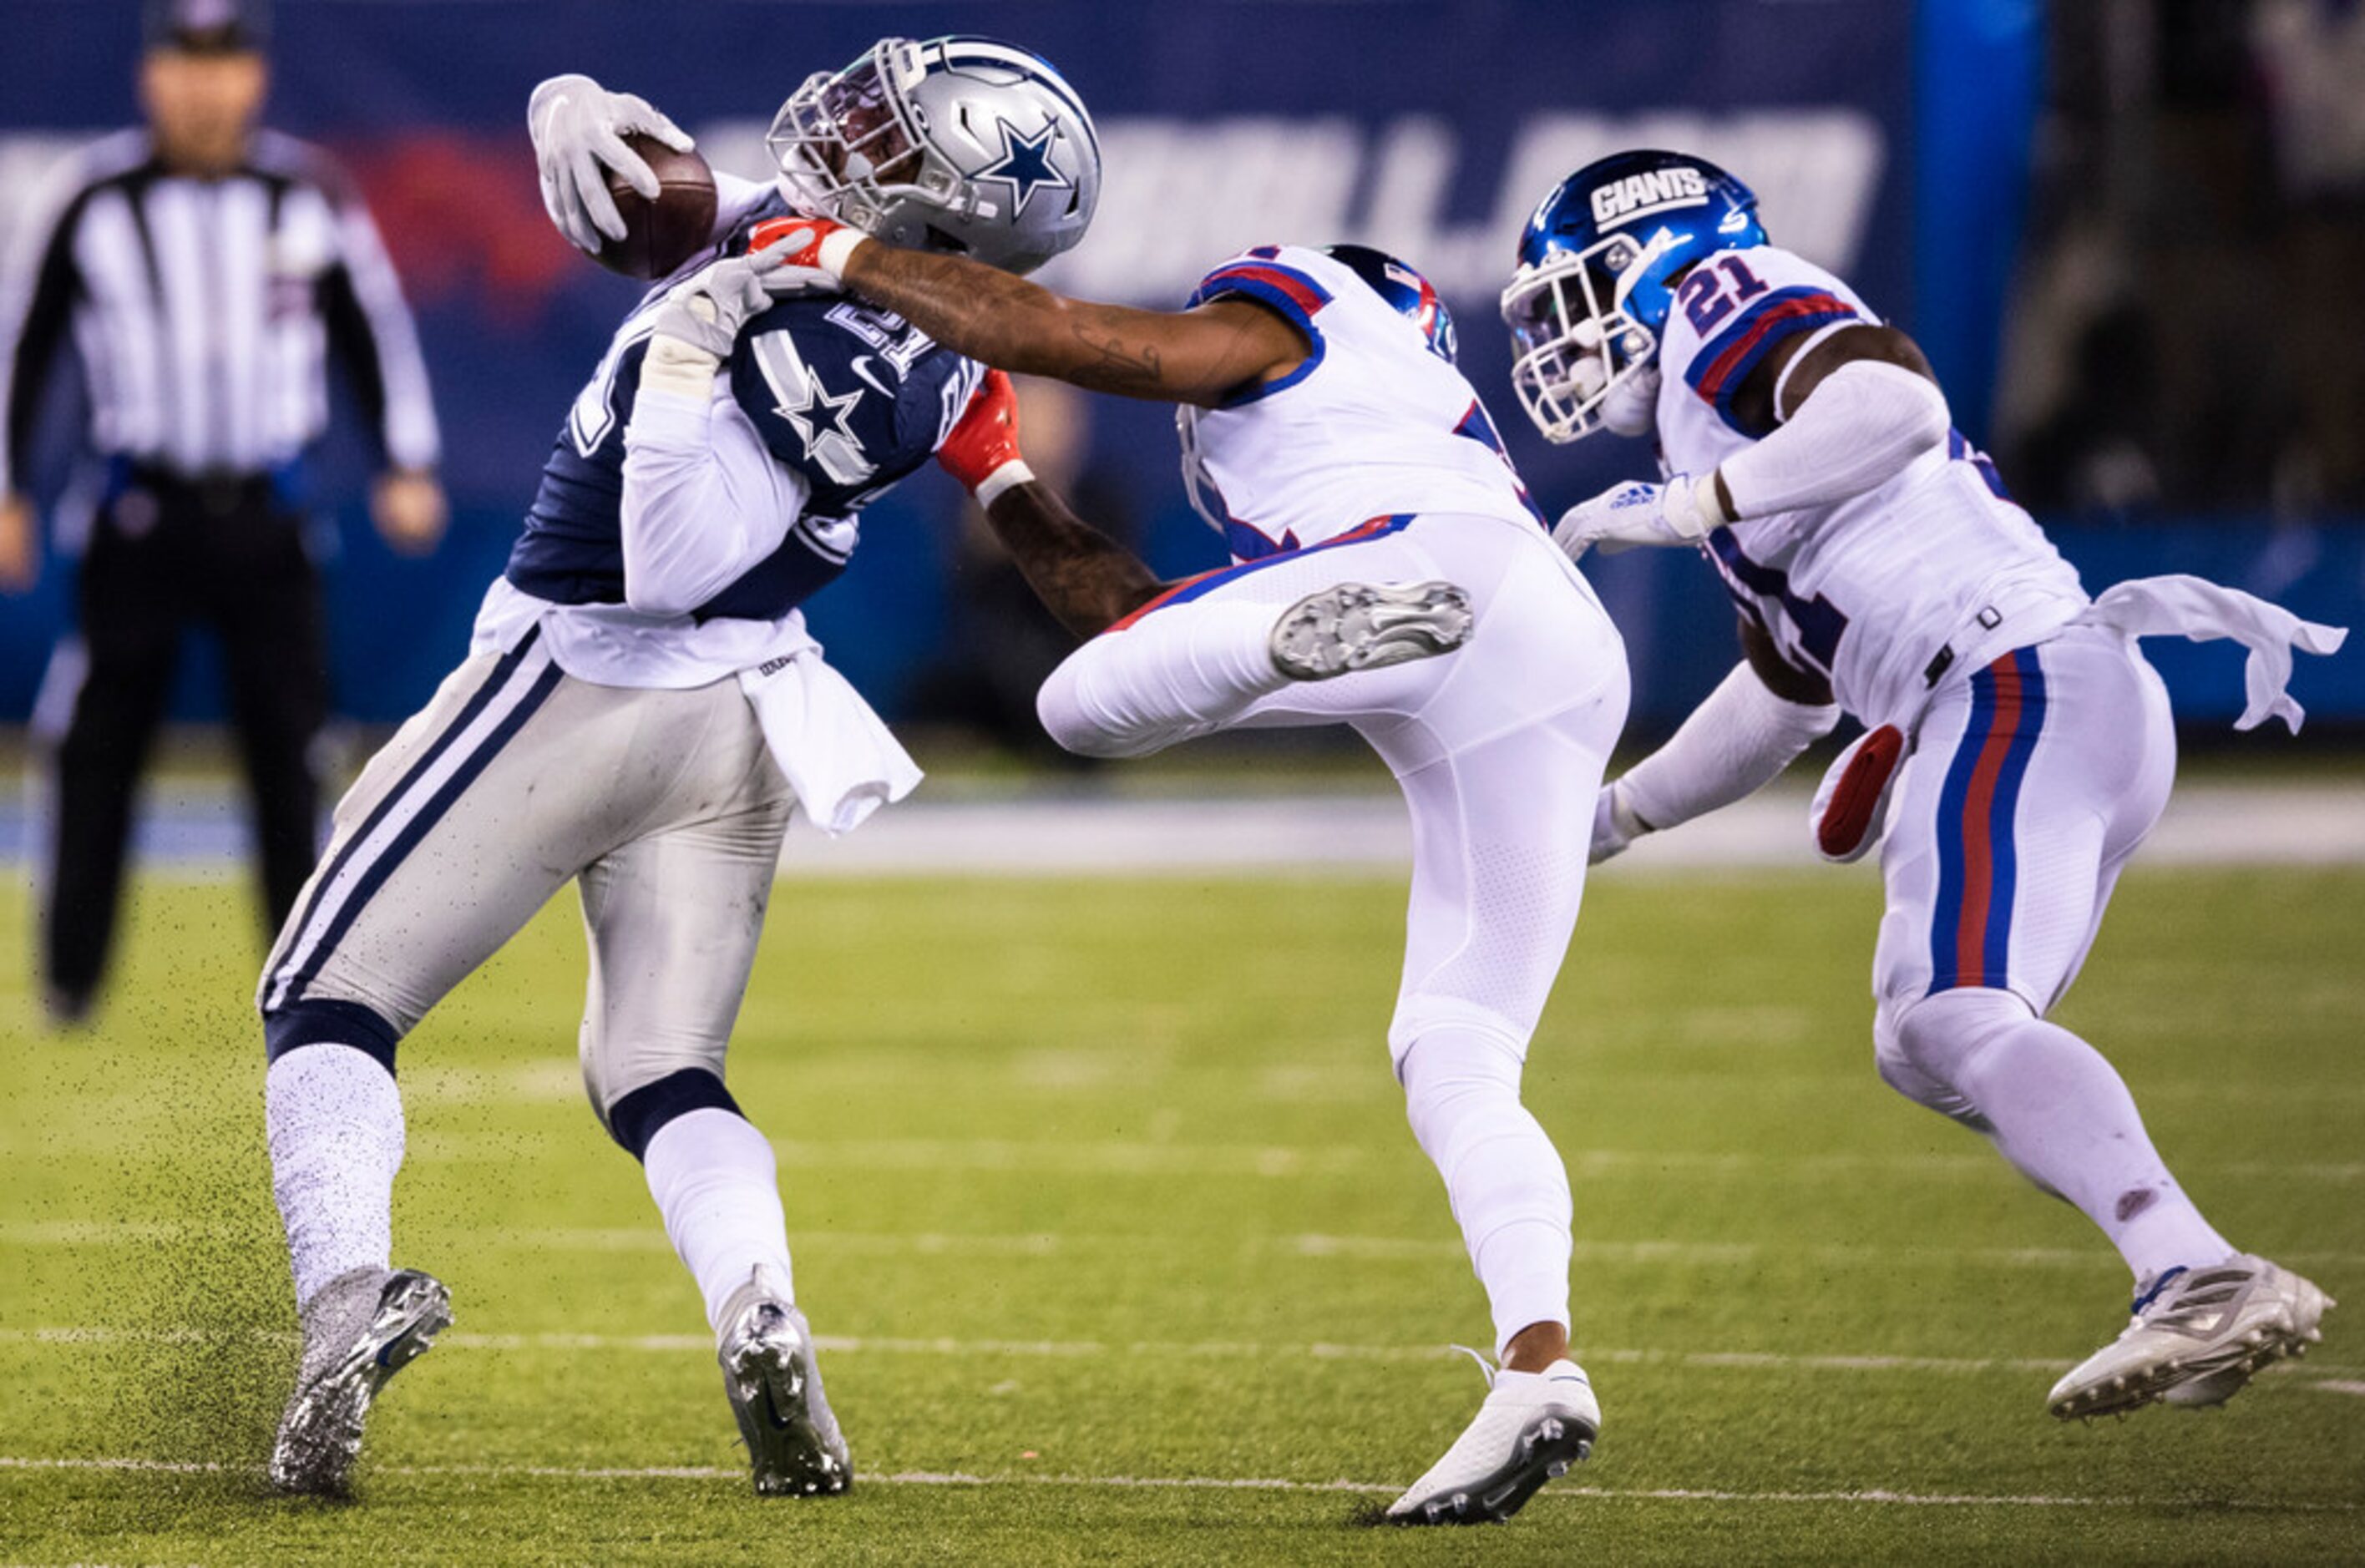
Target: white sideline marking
{"type": "Point", "coordinates": [1070, 1349]}
{"type": "Point", "coordinates": [2339, 1385]}
{"type": "Point", "coordinates": [1359, 832]}
{"type": "Point", "coordinates": [1879, 1496]}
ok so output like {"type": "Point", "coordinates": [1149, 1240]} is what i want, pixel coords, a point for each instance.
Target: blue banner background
{"type": "Point", "coordinates": [424, 100]}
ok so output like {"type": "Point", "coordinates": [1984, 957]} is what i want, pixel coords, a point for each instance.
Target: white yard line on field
{"type": "Point", "coordinates": [1071, 1349]}
{"type": "Point", "coordinates": [1870, 1497]}
{"type": "Point", "coordinates": [1050, 1244]}
{"type": "Point", "coordinates": [1147, 1157]}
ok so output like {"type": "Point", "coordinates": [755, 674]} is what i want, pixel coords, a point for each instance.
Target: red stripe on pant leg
{"type": "Point", "coordinates": [1187, 583]}
{"type": "Point", "coordinates": [1979, 850]}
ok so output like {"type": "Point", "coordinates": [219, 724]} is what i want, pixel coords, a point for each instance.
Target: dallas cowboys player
{"type": "Point", "coordinates": [1881, 570]}
{"type": "Point", "coordinates": [1375, 525]}
{"type": "Point", "coordinates": [641, 709]}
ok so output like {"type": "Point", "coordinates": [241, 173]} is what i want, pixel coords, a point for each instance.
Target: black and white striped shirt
{"type": "Point", "coordinates": [205, 312]}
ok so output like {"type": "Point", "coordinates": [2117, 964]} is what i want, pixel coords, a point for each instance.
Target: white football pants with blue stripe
{"type": "Point", "coordinates": [1499, 748]}
{"type": "Point", "coordinates": [2031, 784]}
{"type": "Point", "coordinates": [514, 780]}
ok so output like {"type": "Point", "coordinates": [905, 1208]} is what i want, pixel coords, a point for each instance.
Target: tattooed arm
{"type": "Point", "coordinates": [1190, 356]}
{"type": "Point", "coordinates": [1083, 576]}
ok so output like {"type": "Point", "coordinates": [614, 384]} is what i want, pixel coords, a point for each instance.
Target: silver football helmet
{"type": "Point", "coordinates": [957, 144]}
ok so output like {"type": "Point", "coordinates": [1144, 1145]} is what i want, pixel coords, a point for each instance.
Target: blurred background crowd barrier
{"type": "Point", "coordinates": [2131, 234]}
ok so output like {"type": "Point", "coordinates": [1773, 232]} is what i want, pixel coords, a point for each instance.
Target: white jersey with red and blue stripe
{"type": "Point", "coordinates": [1373, 424]}
{"type": "Point", "coordinates": [1886, 593]}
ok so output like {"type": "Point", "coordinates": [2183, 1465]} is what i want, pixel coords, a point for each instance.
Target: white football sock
{"type": "Point", "coordinates": [1178, 672]}
{"type": "Point", "coordinates": [333, 1119]}
{"type": "Point", "coordinates": [1507, 1184]}
{"type": "Point", "coordinates": [716, 1181]}
{"type": "Point", "coordinates": [2061, 1113]}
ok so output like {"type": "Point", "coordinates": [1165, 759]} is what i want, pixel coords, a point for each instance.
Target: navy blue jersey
{"type": "Point", "coordinates": [850, 397]}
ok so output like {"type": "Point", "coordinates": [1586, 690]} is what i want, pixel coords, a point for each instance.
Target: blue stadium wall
{"type": "Point", "coordinates": [1887, 141]}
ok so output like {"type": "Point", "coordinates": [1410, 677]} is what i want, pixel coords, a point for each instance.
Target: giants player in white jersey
{"type": "Point", "coordinates": [1374, 523]}
{"type": "Point", "coordinates": [2018, 748]}
{"type": "Point", "coordinates": [641, 709]}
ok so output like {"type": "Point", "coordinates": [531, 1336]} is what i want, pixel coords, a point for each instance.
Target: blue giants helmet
{"type": "Point", "coordinates": [1590, 297]}
{"type": "Point", "coordinates": [1407, 292]}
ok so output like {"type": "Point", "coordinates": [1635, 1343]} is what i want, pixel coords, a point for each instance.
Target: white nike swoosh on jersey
{"type": "Point", "coordinates": [860, 362]}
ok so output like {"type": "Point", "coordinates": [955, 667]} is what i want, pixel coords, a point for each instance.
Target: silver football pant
{"type": "Point", "coordinates": [664, 805]}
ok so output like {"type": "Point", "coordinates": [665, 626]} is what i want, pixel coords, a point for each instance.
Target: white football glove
{"type": "Point", "coordinates": [699, 323]}
{"type": "Point", "coordinates": [1615, 825]}
{"type": "Point", "coordinates": [1680, 512]}
{"type": "Point", "coordinates": [579, 129]}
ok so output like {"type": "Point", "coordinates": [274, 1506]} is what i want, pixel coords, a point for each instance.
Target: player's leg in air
{"type": "Point", "coordinates": [2030, 788]}
{"type": "Point", "coordinates": [514, 779]}
{"type": "Point", "coordinates": [1499, 746]}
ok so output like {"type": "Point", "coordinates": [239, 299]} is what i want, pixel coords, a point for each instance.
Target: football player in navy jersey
{"type": "Point", "coordinates": [1391, 574]}
{"type": "Point", "coordinates": [2018, 747]}
{"type": "Point", "coordinates": [641, 709]}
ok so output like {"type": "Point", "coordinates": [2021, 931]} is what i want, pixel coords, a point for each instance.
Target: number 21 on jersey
{"type": "Point", "coordinates": [1710, 294]}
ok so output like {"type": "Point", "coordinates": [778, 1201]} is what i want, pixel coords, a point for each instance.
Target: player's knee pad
{"type": "Point", "coordinates": [1455, 1072]}
{"type": "Point", "coordinates": [1925, 1045]}
{"type": "Point", "coordinates": [637, 1115]}
{"type": "Point", "coordinates": [326, 1021]}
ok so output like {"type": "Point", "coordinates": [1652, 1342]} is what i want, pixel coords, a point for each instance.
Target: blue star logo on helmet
{"type": "Point", "coordinates": [1026, 164]}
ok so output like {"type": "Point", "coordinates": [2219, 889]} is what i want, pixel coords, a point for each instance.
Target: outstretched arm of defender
{"type": "Point", "coordinates": [1855, 409]}
{"type": "Point", "coordinates": [1083, 576]}
{"type": "Point", "coordinates": [1188, 356]}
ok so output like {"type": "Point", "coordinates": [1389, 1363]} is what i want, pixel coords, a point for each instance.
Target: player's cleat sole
{"type": "Point", "coordinates": [2196, 1341]}
{"type": "Point", "coordinates": [794, 1448]}
{"type": "Point", "coordinates": [1533, 1428]}
{"type": "Point", "coordinates": [1359, 626]}
{"type": "Point", "coordinates": [361, 1329]}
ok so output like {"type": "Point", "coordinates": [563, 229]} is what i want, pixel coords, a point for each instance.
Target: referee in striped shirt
{"type": "Point", "coordinates": [205, 271]}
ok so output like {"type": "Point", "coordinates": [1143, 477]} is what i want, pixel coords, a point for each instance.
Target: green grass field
{"type": "Point", "coordinates": [1104, 1201]}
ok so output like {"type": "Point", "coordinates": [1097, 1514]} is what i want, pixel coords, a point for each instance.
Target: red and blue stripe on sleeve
{"type": "Point", "coordinates": [1293, 295]}
{"type": "Point", "coordinates": [1724, 361]}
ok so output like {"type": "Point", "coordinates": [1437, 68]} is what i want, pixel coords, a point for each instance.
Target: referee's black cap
{"type": "Point", "coordinates": [208, 26]}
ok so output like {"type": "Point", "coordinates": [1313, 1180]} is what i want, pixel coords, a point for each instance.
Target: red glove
{"type": "Point", "coordinates": [815, 244]}
{"type": "Point", "coordinates": [983, 451]}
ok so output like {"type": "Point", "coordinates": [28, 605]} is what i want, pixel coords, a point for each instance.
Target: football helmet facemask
{"type": "Point", "coordinates": [1590, 297]}
{"type": "Point", "coordinates": [958, 144]}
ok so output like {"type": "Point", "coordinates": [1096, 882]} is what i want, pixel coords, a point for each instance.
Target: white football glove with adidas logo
{"type": "Point", "coordinates": [1681, 511]}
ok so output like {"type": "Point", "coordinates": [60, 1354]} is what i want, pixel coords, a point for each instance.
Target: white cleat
{"type": "Point", "coordinates": [359, 1330]}
{"type": "Point", "coordinates": [1352, 626]}
{"type": "Point", "coordinates": [774, 1385]}
{"type": "Point", "coordinates": [1532, 1427]}
{"type": "Point", "coordinates": [2197, 1336]}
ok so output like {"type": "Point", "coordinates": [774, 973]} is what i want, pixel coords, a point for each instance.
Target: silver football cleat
{"type": "Point", "coordinates": [2196, 1337]}
{"type": "Point", "coordinates": [774, 1385]}
{"type": "Point", "coordinates": [1355, 626]}
{"type": "Point", "coordinates": [1532, 1427]}
{"type": "Point", "coordinates": [359, 1330]}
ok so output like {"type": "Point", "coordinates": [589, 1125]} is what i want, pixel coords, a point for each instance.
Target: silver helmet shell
{"type": "Point", "coordinates": [957, 144]}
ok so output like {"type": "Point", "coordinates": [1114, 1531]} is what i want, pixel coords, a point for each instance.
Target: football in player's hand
{"type": "Point", "coordinates": [660, 234]}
